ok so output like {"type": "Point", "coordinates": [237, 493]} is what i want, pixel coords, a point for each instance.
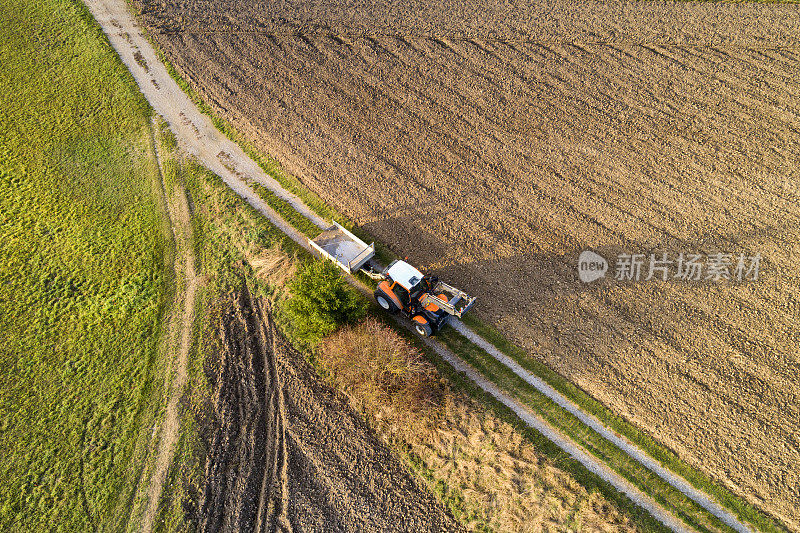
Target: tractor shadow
{"type": "Point", "coordinates": [539, 301]}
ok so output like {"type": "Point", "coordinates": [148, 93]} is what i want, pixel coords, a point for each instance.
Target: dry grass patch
{"type": "Point", "coordinates": [272, 265]}
{"type": "Point", "coordinates": [493, 477]}
{"type": "Point", "coordinates": [498, 471]}
{"type": "Point", "coordinates": [383, 374]}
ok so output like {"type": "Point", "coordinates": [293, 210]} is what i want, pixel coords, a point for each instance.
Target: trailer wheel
{"type": "Point", "coordinates": [385, 302]}
{"type": "Point", "coordinates": [423, 328]}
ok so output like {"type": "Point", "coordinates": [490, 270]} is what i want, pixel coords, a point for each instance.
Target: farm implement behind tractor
{"type": "Point", "coordinates": [426, 300]}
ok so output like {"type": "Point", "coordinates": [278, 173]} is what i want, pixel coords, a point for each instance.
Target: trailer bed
{"type": "Point", "coordinates": [343, 248]}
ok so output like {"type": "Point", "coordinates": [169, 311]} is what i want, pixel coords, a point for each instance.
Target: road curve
{"type": "Point", "coordinates": [198, 136]}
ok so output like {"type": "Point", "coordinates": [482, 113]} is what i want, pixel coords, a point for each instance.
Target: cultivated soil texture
{"type": "Point", "coordinates": [492, 143]}
{"type": "Point", "coordinates": [287, 453]}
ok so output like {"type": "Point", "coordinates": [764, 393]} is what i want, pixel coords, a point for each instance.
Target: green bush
{"type": "Point", "coordinates": [321, 301]}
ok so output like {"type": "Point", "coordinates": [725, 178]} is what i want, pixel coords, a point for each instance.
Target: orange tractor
{"type": "Point", "coordinates": [426, 300]}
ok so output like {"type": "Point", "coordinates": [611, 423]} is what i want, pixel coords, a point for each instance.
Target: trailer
{"type": "Point", "coordinates": [426, 300]}
{"type": "Point", "coordinates": [343, 248]}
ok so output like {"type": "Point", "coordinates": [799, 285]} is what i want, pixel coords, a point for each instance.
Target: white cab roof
{"type": "Point", "coordinates": [404, 274]}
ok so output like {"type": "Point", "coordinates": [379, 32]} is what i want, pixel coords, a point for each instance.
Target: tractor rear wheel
{"type": "Point", "coordinates": [386, 303]}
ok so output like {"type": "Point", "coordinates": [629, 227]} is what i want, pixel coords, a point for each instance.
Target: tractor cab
{"type": "Point", "coordinates": [405, 280]}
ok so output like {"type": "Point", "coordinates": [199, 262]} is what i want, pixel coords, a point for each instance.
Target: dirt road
{"type": "Point", "coordinates": [492, 156]}
{"type": "Point", "coordinates": [195, 132]}
{"type": "Point", "coordinates": [178, 340]}
{"type": "Point", "coordinates": [288, 453]}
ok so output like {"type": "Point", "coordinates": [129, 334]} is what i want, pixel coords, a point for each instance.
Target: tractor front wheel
{"type": "Point", "coordinates": [423, 328]}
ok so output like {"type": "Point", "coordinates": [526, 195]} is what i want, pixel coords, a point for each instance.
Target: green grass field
{"type": "Point", "coordinates": [82, 270]}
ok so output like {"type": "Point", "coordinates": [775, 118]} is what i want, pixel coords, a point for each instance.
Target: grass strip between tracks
{"type": "Point", "coordinates": [743, 510]}
{"type": "Point", "coordinates": [738, 506]}
{"type": "Point", "coordinates": [592, 482]}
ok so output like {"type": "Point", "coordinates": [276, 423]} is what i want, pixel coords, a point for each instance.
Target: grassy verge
{"type": "Point", "coordinates": [83, 271]}
{"type": "Point", "coordinates": [169, 510]}
{"type": "Point", "coordinates": [179, 497]}
{"type": "Point", "coordinates": [452, 498]}
{"type": "Point", "coordinates": [285, 209]}
{"type": "Point", "coordinates": [668, 458]}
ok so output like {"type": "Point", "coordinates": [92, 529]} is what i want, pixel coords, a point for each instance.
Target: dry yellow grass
{"type": "Point", "coordinates": [383, 375]}
{"type": "Point", "coordinates": [495, 469]}
{"type": "Point", "coordinates": [272, 265]}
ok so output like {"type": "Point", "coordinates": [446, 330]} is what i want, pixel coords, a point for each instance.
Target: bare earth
{"type": "Point", "coordinates": [288, 454]}
{"type": "Point", "coordinates": [493, 143]}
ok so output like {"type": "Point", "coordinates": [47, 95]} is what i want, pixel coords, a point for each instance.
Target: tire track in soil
{"type": "Point", "coordinates": [273, 510]}
{"type": "Point", "coordinates": [246, 456]}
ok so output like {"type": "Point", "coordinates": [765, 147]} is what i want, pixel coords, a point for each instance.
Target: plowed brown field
{"type": "Point", "coordinates": [493, 146]}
